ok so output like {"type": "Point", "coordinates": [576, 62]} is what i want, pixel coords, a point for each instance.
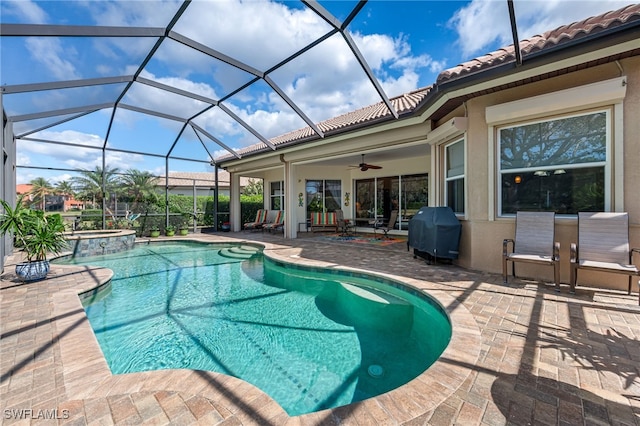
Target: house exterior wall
{"type": "Point", "coordinates": [483, 230]}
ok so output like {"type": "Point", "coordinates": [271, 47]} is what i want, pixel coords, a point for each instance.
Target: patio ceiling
{"type": "Point", "coordinates": [190, 114]}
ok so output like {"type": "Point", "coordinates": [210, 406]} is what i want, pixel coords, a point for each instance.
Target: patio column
{"type": "Point", "coordinates": [234, 202]}
{"type": "Point", "coordinates": [290, 229]}
{"type": "Point", "coordinates": [7, 180]}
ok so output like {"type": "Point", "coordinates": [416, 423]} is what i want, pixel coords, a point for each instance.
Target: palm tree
{"type": "Point", "coordinates": [65, 189]}
{"type": "Point", "coordinates": [89, 183]}
{"type": "Point", "coordinates": [40, 188]}
{"type": "Point", "coordinates": [140, 188]}
{"type": "Point", "coordinates": [139, 185]}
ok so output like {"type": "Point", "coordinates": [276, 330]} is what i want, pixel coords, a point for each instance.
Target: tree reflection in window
{"type": "Point", "coordinates": [556, 165]}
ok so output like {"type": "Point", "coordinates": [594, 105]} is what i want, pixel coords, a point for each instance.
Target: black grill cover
{"type": "Point", "coordinates": [435, 231]}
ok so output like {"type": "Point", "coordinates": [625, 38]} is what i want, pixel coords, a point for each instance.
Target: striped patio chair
{"type": "Point", "coordinates": [324, 221]}
{"type": "Point", "coordinates": [261, 219]}
{"type": "Point", "coordinates": [278, 222]}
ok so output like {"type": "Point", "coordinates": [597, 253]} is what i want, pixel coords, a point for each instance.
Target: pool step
{"type": "Point", "coordinates": [242, 252]}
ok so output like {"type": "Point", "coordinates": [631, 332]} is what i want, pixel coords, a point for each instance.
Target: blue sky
{"type": "Point", "coordinates": [406, 43]}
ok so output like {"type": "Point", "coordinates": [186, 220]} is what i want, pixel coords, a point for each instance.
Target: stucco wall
{"type": "Point", "coordinates": [483, 231]}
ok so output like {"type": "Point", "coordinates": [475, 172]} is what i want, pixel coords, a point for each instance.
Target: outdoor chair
{"type": "Point", "coordinates": [534, 243]}
{"type": "Point", "coordinates": [393, 218]}
{"type": "Point", "coordinates": [261, 219]}
{"type": "Point", "coordinates": [323, 221]}
{"type": "Point", "coordinates": [603, 245]}
{"type": "Point", "coordinates": [278, 222]}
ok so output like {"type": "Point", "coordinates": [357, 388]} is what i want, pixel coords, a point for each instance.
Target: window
{"type": "Point", "coordinates": [554, 165]}
{"type": "Point", "coordinates": [323, 196]}
{"type": "Point", "coordinates": [454, 176]}
{"type": "Point", "coordinates": [277, 196]}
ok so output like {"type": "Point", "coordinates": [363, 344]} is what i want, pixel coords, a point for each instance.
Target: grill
{"type": "Point", "coordinates": [434, 233]}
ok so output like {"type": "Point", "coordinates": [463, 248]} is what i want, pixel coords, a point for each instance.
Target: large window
{"type": "Point", "coordinates": [323, 196]}
{"type": "Point", "coordinates": [377, 197]}
{"type": "Point", "coordinates": [454, 176]}
{"type": "Point", "coordinates": [277, 196]}
{"type": "Point", "coordinates": [555, 165]}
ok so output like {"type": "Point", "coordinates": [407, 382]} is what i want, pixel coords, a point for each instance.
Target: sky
{"type": "Point", "coordinates": [405, 43]}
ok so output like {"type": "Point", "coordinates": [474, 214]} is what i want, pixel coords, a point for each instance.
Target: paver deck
{"type": "Point", "coordinates": [520, 354]}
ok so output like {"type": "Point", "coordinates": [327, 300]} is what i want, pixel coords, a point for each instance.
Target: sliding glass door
{"type": "Point", "coordinates": [376, 198]}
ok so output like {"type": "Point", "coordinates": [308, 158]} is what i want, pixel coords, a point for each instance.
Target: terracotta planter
{"type": "Point", "coordinates": [32, 271]}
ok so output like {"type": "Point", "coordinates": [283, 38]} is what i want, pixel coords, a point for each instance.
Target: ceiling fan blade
{"type": "Point", "coordinates": [371, 166]}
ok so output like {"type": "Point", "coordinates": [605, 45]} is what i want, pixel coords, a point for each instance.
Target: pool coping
{"type": "Point", "coordinates": [87, 375]}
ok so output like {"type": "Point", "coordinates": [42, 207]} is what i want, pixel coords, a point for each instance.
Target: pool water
{"type": "Point", "coordinates": [308, 338]}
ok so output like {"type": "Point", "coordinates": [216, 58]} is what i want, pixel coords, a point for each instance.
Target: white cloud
{"type": "Point", "coordinates": [484, 25]}
{"type": "Point", "coordinates": [166, 102]}
{"type": "Point", "coordinates": [25, 10]}
{"type": "Point", "coordinates": [72, 157]}
{"type": "Point", "coordinates": [50, 53]}
{"type": "Point", "coordinates": [258, 33]}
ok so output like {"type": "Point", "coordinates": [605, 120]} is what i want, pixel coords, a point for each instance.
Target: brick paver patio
{"type": "Point", "coordinates": [521, 354]}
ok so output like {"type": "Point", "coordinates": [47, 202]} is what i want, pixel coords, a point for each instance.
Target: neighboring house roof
{"type": "Point", "coordinates": [23, 188]}
{"type": "Point", "coordinates": [202, 179]}
{"type": "Point", "coordinates": [409, 103]}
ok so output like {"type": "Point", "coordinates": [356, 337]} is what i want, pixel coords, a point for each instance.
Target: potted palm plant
{"type": "Point", "coordinates": [37, 234]}
{"type": "Point", "coordinates": [184, 229]}
{"type": "Point", "coordinates": [154, 231]}
{"type": "Point", "coordinates": [170, 230]}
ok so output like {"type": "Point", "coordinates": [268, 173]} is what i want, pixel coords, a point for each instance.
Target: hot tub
{"type": "Point", "coordinates": [92, 243]}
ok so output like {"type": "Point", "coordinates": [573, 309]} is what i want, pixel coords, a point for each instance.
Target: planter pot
{"type": "Point", "coordinates": [184, 231]}
{"type": "Point", "coordinates": [155, 234]}
{"type": "Point", "coordinates": [170, 233]}
{"type": "Point", "coordinates": [32, 271]}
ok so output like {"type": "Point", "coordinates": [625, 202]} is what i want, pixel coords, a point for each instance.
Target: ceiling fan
{"type": "Point", "coordinates": [364, 166]}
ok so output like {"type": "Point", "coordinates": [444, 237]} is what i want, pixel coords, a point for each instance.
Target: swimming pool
{"type": "Point", "coordinates": [308, 338]}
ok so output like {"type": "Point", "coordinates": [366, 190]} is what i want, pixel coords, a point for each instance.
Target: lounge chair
{"type": "Point", "coordinates": [534, 243]}
{"type": "Point", "coordinates": [278, 222]}
{"type": "Point", "coordinates": [261, 219]}
{"type": "Point", "coordinates": [393, 218]}
{"type": "Point", "coordinates": [603, 245]}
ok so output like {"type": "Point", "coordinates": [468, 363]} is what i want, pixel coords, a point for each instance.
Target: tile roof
{"type": "Point", "coordinates": [403, 104]}
{"type": "Point", "coordinates": [550, 39]}
{"type": "Point", "coordinates": [409, 102]}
